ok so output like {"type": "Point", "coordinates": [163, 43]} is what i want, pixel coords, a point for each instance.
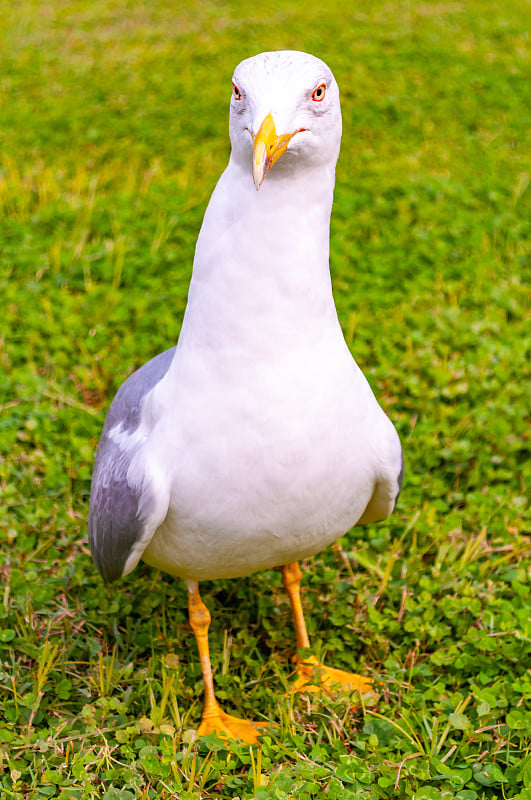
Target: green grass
{"type": "Point", "coordinates": [113, 131]}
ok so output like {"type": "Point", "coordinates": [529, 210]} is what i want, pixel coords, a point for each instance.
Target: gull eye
{"type": "Point", "coordinates": [236, 92]}
{"type": "Point", "coordinates": [319, 94]}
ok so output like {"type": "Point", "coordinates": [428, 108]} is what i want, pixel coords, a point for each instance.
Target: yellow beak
{"type": "Point", "coordinates": [267, 148]}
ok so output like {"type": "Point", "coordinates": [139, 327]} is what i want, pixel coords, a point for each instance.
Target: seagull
{"type": "Point", "coordinates": [256, 441]}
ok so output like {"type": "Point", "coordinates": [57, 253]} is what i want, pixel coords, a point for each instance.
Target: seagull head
{"type": "Point", "coordinates": [284, 105]}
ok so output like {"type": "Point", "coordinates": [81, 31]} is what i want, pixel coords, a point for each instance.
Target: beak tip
{"type": "Point", "coordinates": [260, 162]}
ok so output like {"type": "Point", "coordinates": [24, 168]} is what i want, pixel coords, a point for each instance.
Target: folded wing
{"type": "Point", "coordinates": [126, 508]}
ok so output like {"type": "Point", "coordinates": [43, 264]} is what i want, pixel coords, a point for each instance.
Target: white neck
{"type": "Point", "coordinates": [248, 290]}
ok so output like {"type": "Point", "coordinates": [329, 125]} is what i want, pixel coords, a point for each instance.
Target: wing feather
{"type": "Point", "coordinates": [123, 516]}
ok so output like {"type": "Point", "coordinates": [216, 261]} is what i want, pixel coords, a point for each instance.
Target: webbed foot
{"type": "Point", "coordinates": [227, 726]}
{"type": "Point", "coordinates": [312, 676]}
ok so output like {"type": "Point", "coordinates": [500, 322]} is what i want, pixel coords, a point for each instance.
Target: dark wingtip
{"type": "Point", "coordinates": [110, 572]}
{"type": "Point", "coordinates": [108, 567]}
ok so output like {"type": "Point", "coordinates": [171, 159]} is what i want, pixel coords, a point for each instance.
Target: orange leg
{"type": "Point", "coordinates": [312, 676]}
{"type": "Point", "coordinates": [214, 719]}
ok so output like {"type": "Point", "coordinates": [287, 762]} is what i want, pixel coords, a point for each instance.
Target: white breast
{"type": "Point", "coordinates": [298, 474]}
{"type": "Point", "coordinates": [272, 439]}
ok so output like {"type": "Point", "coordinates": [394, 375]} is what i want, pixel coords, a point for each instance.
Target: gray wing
{"type": "Point", "coordinates": [115, 524]}
{"type": "Point", "coordinates": [385, 493]}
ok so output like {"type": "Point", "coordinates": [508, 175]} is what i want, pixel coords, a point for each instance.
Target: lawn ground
{"type": "Point", "coordinates": [113, 131]}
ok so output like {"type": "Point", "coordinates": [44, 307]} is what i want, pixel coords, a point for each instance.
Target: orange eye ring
{"type": "Point", "coordinates": [236, 92]}
{"type": "Point", "coordinates": [318, 94]}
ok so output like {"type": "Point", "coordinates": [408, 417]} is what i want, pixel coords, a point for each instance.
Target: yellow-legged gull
{"type": "Point", "coordinates": [256, 441]}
